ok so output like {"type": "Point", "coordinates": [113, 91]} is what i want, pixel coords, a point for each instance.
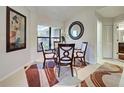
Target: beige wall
{"type": "Point", "coordinates": [88, 18]}
{"type": "Point", "coordinates": [107, 34]}
{"type": "Point", "coordinates": [110, 36]}
{"type": "Point", "coordinates": [99, 40]}
{"type": "Point", "coordinates": [39, 20]}
{"type": "Point", "coordinates": [116, 21]}
{"type": "Point", "coordinates": [89, 21]}
{"type": "Point", "coordinates": [18, 79]}
{"type": "Point", "coordinates": [11, 61]}
{"type": "Point", "coordinates": [33, 38]}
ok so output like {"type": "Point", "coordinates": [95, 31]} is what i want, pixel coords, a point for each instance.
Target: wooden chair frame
{"type": "Point", "coordinates": [47, 58]}
{"type": "Point", "coordinates": [84, 54]}
{"type": "Point", "coordinates": [65, 55]}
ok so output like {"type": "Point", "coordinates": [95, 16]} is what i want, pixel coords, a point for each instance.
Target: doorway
{"type": "Point", "coordinates": [118, 44]}
{"type": "Point", "coordinates": [107, 41]}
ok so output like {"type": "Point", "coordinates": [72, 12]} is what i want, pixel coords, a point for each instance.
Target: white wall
{"type": "Point", "coordinates": [104, 38]}
{"type": "Point", "coordinates": [11, 61]}
{"type": "Point", "coordinates": [35, 56]}
{"type": "Point", "coordinates": [87, 18]}
{"type": "Point", "coordinates": [116, 21]}
{"type": "Point", "coordinates": [99, 40]}
{"type": "Point", "coordinates": [107, 39]}
{"type": "Point", "coordinates": [110, 36]}
{"type": "Point", "coordinates": [89, 21]}
{"type": "Point", "coordinates": [18, 79]}
{"type": "Point", "coordinates": [36, 19]}
{"type": "Point", "coordinates": [118, 18]}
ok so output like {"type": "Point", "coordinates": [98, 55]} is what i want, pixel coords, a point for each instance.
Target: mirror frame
{"type": "Point", "coordinates": [81, 29]}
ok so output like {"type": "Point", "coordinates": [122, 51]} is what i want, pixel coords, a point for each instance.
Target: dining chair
{"type": "Point", "coordinates": [48, 56]}
{"type": "Point", "coordinates": [81, 53]}
{"type": "Point", "coordinates": [56, 44]}
{"type": "Point", "coordinates": [65, 56]}
{"type": "Point", "coordinates": [63, 40]}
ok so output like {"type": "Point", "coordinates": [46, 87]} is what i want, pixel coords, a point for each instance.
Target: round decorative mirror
{"type": "Point", "coordinates": [76, 30]}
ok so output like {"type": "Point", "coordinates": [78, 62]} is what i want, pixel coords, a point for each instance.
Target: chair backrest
{"type": "Point", "coordinates": [65, 52]}
{"type": "Point", "coordinates": [42, 49]}
{"type": "Point", "coordinates": [84, 47]}
{"type": "Point", "coordinates": [56, 44]}
{"type": "Point", "coordinates": [63, 39]}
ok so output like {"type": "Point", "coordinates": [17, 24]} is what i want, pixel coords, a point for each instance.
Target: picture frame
{"type": "Point", "coordinates": [15, 30]}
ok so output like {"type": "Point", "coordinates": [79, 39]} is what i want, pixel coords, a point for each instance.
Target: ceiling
{"type": "Point", "coordinates": [111, 11]}
{"type": "Point", "coordinates": [62, 13]}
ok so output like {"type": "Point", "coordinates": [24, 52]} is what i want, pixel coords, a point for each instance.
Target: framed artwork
{"type": "Point", "coordinates": [15, 30]}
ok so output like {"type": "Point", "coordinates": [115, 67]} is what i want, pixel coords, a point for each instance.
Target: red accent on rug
{"type": "Point", "coordinates": [33, 76]}
{"type": "Point", "coordinates": [107, 75]}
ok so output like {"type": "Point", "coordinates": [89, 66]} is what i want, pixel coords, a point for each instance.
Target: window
{"type": "Point", "coordinates": [55, 36]}
{"type": "Point", "coordinates": [47, 35]}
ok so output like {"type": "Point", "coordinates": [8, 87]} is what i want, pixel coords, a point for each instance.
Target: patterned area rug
{"type": "Point", "coordinates": [38, 77]}
{"type": "Point", "coordinates": [48, 77]}
{"type": "Point", "coordinates": [107, 75]}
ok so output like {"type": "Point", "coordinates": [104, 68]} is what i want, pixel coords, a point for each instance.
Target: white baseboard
{"type": "Point", "coordinates": [10, 74]}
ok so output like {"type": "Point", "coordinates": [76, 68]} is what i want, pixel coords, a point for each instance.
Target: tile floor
{"type": "Point", "coordinates": [19, 79]}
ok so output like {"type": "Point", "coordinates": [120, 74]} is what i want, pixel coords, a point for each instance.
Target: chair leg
{"type": "Point", "coordinates": [84, 61]}
{"type": "Point", "coordinates": [44, 64]}
{"type": "Point", "coordinates": [74, 61]}
{"type": "Point", "coordinates": [59, 70]}
{"type": "Point", "coordinates": [71, 70]}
